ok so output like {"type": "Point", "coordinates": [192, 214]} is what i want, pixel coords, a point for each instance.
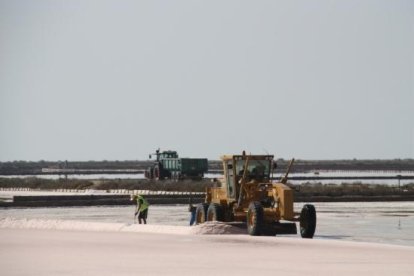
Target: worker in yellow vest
{"type": "Point", "coordinates": [141, 209]}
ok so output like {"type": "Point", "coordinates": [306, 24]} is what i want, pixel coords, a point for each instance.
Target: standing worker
{"type": "Point", "coordinates": [192, 210]}
{"type": "Point", "coordinates": [141, 209]}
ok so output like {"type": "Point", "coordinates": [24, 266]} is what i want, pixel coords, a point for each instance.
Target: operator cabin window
{"type": "Point", "coordinates": [230, 179]}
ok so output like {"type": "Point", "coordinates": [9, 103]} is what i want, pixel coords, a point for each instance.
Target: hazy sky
{"type": "Point", "coordinates": [114, 80]}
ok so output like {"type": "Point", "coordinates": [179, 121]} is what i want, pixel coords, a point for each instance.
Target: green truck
{"type": "Point", "coordinates": [169, 166]}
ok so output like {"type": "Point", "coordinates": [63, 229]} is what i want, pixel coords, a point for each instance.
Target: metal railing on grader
{"type": "Point", "coordinates": [247, 194]}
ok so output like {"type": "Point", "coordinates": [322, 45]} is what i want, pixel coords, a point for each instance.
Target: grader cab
{"type": "Point", "coordinates": [247, 194]}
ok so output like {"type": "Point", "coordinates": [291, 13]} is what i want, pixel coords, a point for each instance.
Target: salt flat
{"type": "Point", "coordinates": [352, 221]}
{"type": "Point", "coordinates": [139, 252]}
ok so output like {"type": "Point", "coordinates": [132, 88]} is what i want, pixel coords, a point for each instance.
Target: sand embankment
{"type": "Point", "coordinates": [34, 247]}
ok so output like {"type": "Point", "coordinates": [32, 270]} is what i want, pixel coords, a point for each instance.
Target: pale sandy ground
{"type": "Point", "coordinates": [34, 247]}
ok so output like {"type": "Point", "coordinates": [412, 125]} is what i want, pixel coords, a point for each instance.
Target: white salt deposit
{"type": "Point", "coordinates": [208, 228]}
{"type": "Point", "coordinates": [216, 228]}
{"type": "Point", "coordinates": [48, 224]}
{"type": "Point", "coordinates": [105, 252]}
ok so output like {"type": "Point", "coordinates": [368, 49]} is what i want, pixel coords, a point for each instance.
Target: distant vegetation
{"type": "Point", "coordinates": [24, 167]}
{"type": "Point", "coordinates": [353, 189]}
{"type": "Point", "coordinates": [306, 189]}
{"type": "Point", "coordinates": [353, 165]}
{"type": "Point", "coordinates": [29, 167]}
{"type": "Point", "coordinates": [105, 184]}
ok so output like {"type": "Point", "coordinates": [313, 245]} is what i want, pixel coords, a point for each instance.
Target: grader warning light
{"type": "Point", "coordinates": [247, 194]}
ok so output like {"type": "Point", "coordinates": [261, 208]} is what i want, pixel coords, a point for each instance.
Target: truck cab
{"type": "Point", "coordinates": [167, 154]}
{"type": "Point", "coordinates": [168, 165]}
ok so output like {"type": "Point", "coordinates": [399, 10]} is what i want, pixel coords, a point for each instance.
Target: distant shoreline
{"type": "Point", "coordinates": [37, 167]}
{"type": "Point", "coordinates": [180, 198]}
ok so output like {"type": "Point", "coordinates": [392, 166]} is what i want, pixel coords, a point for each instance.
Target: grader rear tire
{"type": "Point", "coordinates": [201, 213]}
{"type": "Point", "coordinates": [308, 221]}
{"type": "Point", "coordinates": [214, 212]}
{"type": "Point", "coordinates": [255, 219]}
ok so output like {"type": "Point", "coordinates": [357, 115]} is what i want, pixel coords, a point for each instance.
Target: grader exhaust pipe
{"type": "Point", "coordinates": [285, 177]}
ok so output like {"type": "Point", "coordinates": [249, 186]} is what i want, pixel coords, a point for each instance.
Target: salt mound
{"type": "Point", "coordinates": [216, 228]}
{"type": "Point", "coordinates": [207, 228]}
{"type": "Point", "coordinates": [73, 225]}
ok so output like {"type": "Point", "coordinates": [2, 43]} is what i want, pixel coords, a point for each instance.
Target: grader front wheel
{"type": "Point", "coordinates": [255, 219]}
{"type": "Point", "coordinates": [201, 213]}
{"type": "Point", "coordinates": [214, 212]}
{"type": "Point", "coordinates": [308, 221]}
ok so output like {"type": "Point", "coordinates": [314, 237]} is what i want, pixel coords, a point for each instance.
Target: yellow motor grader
{"type": "Point", "coordinates": [247, 194]}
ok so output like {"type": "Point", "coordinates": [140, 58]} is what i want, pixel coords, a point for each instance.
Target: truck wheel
{"type": "Point", "coordinates": [255, 219]}
{"type": "Point", "coordinates": [176, 176]}
{"type": "Point", "coordinates": [214, 212]}
{"type": "Point", "coordinates": [307, 221]}
{"type": "Point", "coordinates": [157, 173]}
{"type": "Point", "coordinates": [201, 213]}
{"type": "Point", "coordinates": [148, 173]}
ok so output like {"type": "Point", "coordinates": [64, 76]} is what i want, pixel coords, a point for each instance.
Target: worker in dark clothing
{"type": "Point", "coordinates": [142, 208]}
{"type": "Point", "coordinates": [192, 210]}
